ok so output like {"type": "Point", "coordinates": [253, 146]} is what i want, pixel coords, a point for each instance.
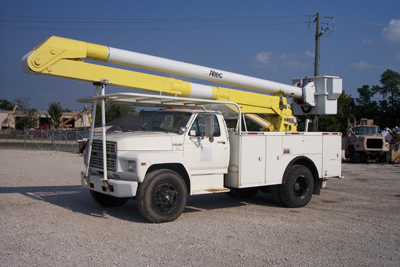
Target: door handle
{"type": "Point", "coordinates": [221, 142]}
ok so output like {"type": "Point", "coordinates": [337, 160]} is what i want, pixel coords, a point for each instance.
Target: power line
{"type": "Point", "coordinates": [104, 21]}
{"type": "Point", "coordinates": [369, 23]}
{"type": "Point", "coordinates": [371, 30]}
{"type": "Point", "coordinates": [151, 28]}
{"type": "Point", "coordinates": [95, 20]}
{"type": "Point", "coordinates": [157, 19]}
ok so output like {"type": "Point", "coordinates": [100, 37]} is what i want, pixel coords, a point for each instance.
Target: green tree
{"type": "Point", "coordinates": [366, 106]}
{"type": "Point", "coordinates": [329, 123]}
{"type": "Point", "coordinates": [22, 103]}
{"type": "Point", "coordinates": [55, 112]}
{"type": "Point", "coordinates": [30, 116]}
{"type": "Point", "coordinates": [6, 105]}
{"type": "Point", "coordinates": [113, 112]}
{"type": "Point", "coordinates": [30, 119]}
{"type": "Point", "coordinates": [390, 92]}
{"type": "Point", "coordinates": [346, 110]}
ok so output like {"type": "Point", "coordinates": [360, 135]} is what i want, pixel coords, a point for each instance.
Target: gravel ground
{"type": "Point", "coordinates": [48, 219]}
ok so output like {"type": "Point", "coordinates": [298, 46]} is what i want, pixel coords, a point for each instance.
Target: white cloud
{"type": "Point", "coordinates": [287, 56]}
{"type": "Point", "coordinates": [360, 65]}
{"type": "Point", "coordinates": [264, 57]}
{"type": "Point", "coordinates": [363, 65]}
{"type": "Point", "coordinates": [391, 33]}
{"type": "Point", "coordinates": [367, 41]}
{"type": "Point", "coordinates": [310, 54]}
{"type": "Point", "coordinates": [283, 61]}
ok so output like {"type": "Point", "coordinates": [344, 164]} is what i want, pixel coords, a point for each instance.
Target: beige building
{"type": "Point", "coordinates": [79, 121]}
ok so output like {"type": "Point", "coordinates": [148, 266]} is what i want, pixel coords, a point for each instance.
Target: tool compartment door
{"type": "Point", "coordinates": [252, 160]}
{"type": "Point", "coordinates": [332, 161]}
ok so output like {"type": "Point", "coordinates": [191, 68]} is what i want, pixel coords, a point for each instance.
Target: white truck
{"type": "Point", "coordinates": [187, 148]}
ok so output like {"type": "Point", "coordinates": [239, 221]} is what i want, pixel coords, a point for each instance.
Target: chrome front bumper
{"type": "Point", "coordinates": [113, 187]}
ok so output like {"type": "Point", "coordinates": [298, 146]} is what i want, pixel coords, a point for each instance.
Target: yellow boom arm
{"type": "Point", "coordinates": [60, 57]}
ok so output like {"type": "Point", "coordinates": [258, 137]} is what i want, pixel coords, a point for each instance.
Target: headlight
{"type": "Point", "coordinates": [132, 166]}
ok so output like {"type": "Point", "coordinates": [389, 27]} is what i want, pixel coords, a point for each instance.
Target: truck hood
{"type": "Point", "coordinates": [145, 140]}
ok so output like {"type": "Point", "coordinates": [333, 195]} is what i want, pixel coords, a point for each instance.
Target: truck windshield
{"type": "Point", "coordinates": [167, 121]}
{"type": "Point", "coordinates": [367, 130]}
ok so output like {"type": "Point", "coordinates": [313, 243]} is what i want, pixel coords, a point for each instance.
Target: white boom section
{"type": "Point", "coordinates": [57, 57]}
{"type": "Point", "coordinates": [143, 61]}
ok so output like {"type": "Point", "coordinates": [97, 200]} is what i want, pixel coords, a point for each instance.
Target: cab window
{"type": "Point", "coordinates": [167, 121]}
{"type": "Point", "coordinates": [199, 126]}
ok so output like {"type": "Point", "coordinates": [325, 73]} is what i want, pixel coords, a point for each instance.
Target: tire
{"type": "Point", "coordinates": [107, 200]}
{"type": "Point", "coordinates": [354, 156]}
{"type": "Point", "coordinates": [243, 193]}
{"type": "Point", "coordinates": [297, 187]}
{"type": "Point", "coordinates": [385, 157]}
{"type": "Point", "coordinates": [82, 146]}
{"type": "Point", "coordinates": [275, 191]}
{"type": "Point", "coordinates": [162, 196]}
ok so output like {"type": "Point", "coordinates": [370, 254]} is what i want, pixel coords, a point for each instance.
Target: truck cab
{"type": "Point", "coordinates": [192, 144]}
{"type": "Point", "coordinates": [364, 142]}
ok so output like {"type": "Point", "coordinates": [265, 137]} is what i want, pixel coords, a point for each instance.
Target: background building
{"type": "Point", "coordinates": [79, 121]}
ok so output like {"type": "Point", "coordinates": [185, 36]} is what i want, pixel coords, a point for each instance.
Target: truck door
{"type": "Point", "coordinates": [202, 155]}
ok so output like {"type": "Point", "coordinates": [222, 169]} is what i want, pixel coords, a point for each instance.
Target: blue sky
{"type": "Point", "coordinates": [264, 39]}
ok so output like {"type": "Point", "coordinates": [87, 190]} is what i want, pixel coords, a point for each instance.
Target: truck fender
{"type": "Point", "coordinates": [177, 167]}
{"type": "Point", "coordinates": [307, 162]}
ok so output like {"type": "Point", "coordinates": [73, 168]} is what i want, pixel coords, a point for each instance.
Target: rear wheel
{"type": "Point", "coordinates": [107, 200]}
{"type": "Point", "coordinates": [297, 187]}
{"type": "Point", "coordinates": [162, 196]}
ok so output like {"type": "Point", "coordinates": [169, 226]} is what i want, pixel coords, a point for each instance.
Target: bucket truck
{"type": "Point", "coordinates": [187, 148]}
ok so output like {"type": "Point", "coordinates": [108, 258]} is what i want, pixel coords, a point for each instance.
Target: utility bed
{"type": "Point", "coordinates": [260, 158]}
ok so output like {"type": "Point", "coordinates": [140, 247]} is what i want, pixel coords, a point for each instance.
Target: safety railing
{"type": "Point", "coordinates": [68, 140]}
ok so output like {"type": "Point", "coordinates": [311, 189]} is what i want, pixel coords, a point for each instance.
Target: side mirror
{"type": "Point", "coordinates": [209, 131]}
{"type": "Point", "coordinates": [182, 130]}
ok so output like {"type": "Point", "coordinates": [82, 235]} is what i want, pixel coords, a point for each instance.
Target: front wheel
{"type": "Point", "coordinates": [162, 196]}
{"type": "Point", "coordinates": [354, 156]}
{"type": "Point", "coordinates": [107, 200]}
{"type": "Point", "coordinates": [297, 186]}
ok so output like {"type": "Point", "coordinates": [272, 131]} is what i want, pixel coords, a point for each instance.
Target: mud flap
{"type": "Point", "coordinates": [318, 184]}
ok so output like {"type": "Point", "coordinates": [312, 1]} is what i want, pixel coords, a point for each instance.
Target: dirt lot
{"type": "Point", "coordinates": [48, 219]}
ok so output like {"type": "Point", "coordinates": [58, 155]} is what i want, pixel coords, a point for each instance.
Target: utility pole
{"type": "Point", "coordinates": [316, 64]}
{"type": "Point", "coordinates": [318, 33]}
{"type": "Point", "coordinates": [317, 36]}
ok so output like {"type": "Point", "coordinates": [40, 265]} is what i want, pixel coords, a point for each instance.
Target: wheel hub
{"type": "Point", "coordinates": [165, 197]}
{"type": "Point", "coordinates": [300, 186]}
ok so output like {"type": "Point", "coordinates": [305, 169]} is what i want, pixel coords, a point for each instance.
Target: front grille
{"type": "Point", "coordinates": [96, 159]}
{"type": "Point", "coordinates": [374, 143]}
